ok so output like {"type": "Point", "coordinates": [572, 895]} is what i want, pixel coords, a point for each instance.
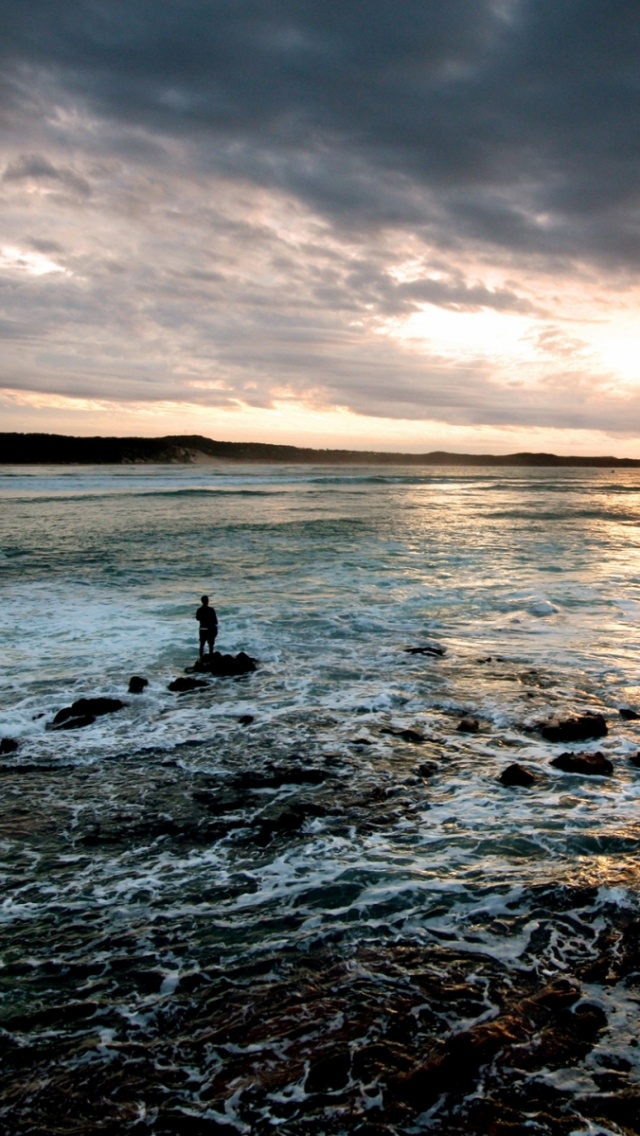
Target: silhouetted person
{"type": "Point", "coordinates": [208, 621]}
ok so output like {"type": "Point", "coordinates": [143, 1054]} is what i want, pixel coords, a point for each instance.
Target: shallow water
{"type": "Point", "coordinates": [153, 891]}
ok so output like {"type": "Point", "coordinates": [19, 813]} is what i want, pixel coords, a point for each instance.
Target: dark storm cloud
{"type": "Point", "coordinates": [511, 123]}
{"type": "Point", "coordinates": [36, 168]}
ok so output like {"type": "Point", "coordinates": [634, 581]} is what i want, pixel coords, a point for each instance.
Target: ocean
{"type": "Point", "coordinates": [302, 899]}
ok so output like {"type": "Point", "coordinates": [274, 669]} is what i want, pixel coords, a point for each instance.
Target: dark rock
{"type": "Point", "coordinates": [377, 1059]}
{"type": "Point", "coordinates": [85, 708]}
{"type": "Point", "coordinates": [182, 685]}
{"type": "Point", "coordinates": [575, 729]}
{"type": "Point", "coordinates": [437, 652]}
{"type": "Point", "coordinates": [594, 764]}
{"type": "Point", "coordinates": [278, 775]}
{"type": "Point", "coordinates": [556, 996]}
{"type": "Point", "coordinates": [226, 666]}
{"type": "Point", "coordinates": [635, 760]}
{"type": "Point", "coordinates": [284, 821]}
{"type": "Point", "coordinates": [246, 719]}
{"type": "Point", "coordinates": [76, 723]}
{"type": "Point", "coordinates": [137, 684]}
{"type": "Point", "coordinates": [329, 1074]}
{"type": "Point", "coordinates": [610, 1082]}
{"type": "Point", "coordinates": [517, 775]}
{"type": "Point", "coordinates": [8, 745]}
{"type": "Point", "coordinates": [455, 1063]}
{"type": "Point", "coordinates": [427, 769]}
{"type": "Point", "coordinates": [468, 726]}
{"type": "Point", "coordinates": [628, 714]}
{"type": "Point", "coordinates": [412, 736]}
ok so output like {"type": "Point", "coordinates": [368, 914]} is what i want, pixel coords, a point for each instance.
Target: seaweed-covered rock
{"type": "Point", "coordinates": [517, 775]}
{"type": "Point", "coordinates": [578, 729]}
{"type": "Point", "coordinates": [85, 711]}
{"type": "Point", "coordinates": [593, 764]}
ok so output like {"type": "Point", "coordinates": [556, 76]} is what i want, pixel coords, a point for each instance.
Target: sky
{"type": "Point", "coordinates": [371, 224]}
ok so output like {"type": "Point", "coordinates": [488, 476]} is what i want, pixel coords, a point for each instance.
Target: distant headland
{"type": "Point", "coordinates": [61, 449]}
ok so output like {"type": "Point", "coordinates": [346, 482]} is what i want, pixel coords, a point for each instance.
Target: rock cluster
{"type": "Point", "coordinates": [223, 666]}
{"type": "Point", "coordinates": [83, 712]}
{"type": "Point", "coordinates": [579, 729]}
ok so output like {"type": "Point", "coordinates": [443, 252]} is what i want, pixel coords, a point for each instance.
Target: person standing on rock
{"type": "Point", "coordinates": [208, 620]}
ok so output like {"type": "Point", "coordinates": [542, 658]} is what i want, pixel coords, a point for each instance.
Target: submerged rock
{"type": "Point", "coordinates": [8, 745]}
{"type": "Point", "coordinates": [436, 652]}
{"type": "Point", "coordinates": [427, 769]}
{"type": "Point", "coordinates": [577, 729]}
{"type": "Point", "coordinates": [278, 775]}
{"type": "Point", "coordinates": [85, 711]}
{"type": "Point", "coordinates": [223, 666]}
{"type": "Point", "coordinates": [517, 775]}
{"type": "Point", "coordinates": [137, 684]}
{"type": "Point", "coordinates": [414, 737]}
{"type": "Point", "coordinates": [76, 723]}
{"type": "Point", "coordinates": [594, 764]}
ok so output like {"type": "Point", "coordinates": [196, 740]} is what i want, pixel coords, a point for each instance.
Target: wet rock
{"type": "Point", "coordinates": [468, 726]}
{"type": "Point", "coordinates": [622, 1109]}
{"type": "Point", "coordinates": [85, 709]}
{"type": "Point", "coordinates": [414, 737]}
{"type": "Point", "coordinates": [427, 768]}
{"type": "Point", "coordinates": [137, 684]}
{"type": "Point", "coordinates": [377, 1059]}
{"type": "Point", "coordinates": [8, 745]}
{"type": "Point", "coordinates": [556, 995]}
{"type": "Point", "coordinates": [455, 1063]}
{"type": "Point", "coordinates": [278, 775]}
{"type": "Point", "coordinates": [329, 1074]}
{"type": "Point", "coordinates": [226, 666]}
{"type": "Point", "coordinates": [593, 764]}
{"type": "Point", "coordinates": [628, 714]}
{"type": "Point", "coordinates": [282, 822]}
{"type": "Point", "coordinates": [182, 685]}
{"type": "Point", "coordinates": [76, 723]}
{"type": "Point", "coordinates": [217, 801]}
{"type": "Point", "coordinates": [517, 775]}
{"type": "Point", "coordinates": [635, 760]}
{"type": "Point", "coordinates": [246, 719]}
{"type": "Point", "coordinates": [577, 729]}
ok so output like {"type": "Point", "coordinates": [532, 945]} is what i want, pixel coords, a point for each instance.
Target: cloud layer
{"type": "Point", "coordinates": [417, 211]}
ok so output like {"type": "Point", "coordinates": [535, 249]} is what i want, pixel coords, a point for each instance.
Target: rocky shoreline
{"type": "Point", "coordinates": [125, 1016]}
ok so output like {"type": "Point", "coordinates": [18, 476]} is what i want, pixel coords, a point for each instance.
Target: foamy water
{"type": "Point", "coordinates": [135, 830]}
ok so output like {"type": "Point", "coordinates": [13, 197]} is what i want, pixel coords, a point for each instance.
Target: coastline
{"type": "Point", "coordinates": [62, 449]}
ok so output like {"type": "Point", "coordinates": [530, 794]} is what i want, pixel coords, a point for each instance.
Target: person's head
{"type": "Point", "coordinates": [204, 600]}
